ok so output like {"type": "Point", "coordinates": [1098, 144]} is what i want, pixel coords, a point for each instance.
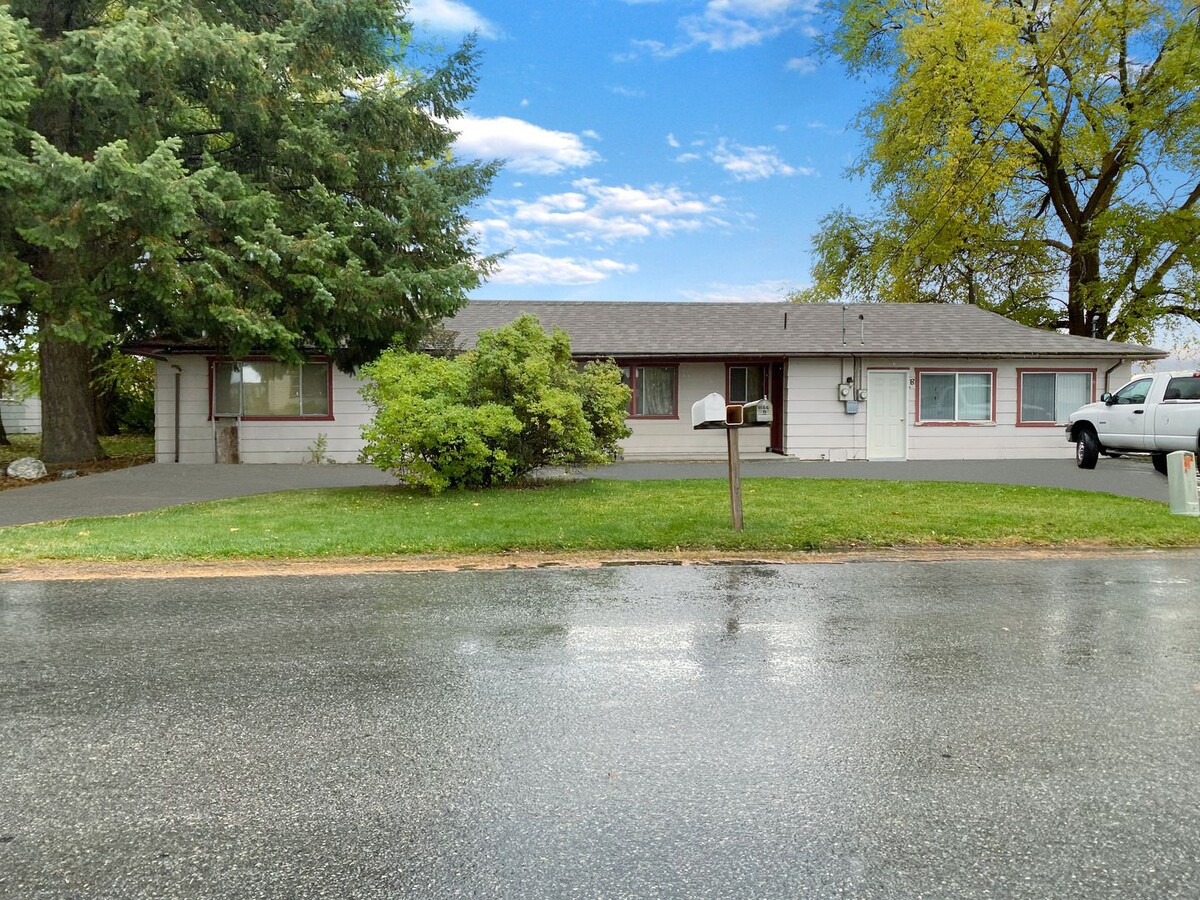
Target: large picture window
{"type": "Point", "coordinates": [955, 396]}
{"type": "Point", "coordinates": [653, 387]}
{"type": "Point", "coordinates": [1050, 397]}
{"type": "Point", "coordinates": [271, 390]}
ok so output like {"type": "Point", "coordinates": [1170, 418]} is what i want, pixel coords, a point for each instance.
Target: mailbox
{"type": "Point", "coordinates": [759, 412]}
{"type": "Point", "coordinates": [709, 412]}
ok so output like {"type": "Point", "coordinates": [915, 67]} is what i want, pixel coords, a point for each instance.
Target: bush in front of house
{"type": "Point", "coordinates": [515, 403]}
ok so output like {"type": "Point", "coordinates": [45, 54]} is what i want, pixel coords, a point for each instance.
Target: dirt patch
{"type": "Point", "coordinates": [86, 571]}
{"type": "Point", "coordinates": [72, 470]}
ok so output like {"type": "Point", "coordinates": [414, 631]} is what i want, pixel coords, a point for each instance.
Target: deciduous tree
{"type": "Point", "coordinates": [1038, 157]}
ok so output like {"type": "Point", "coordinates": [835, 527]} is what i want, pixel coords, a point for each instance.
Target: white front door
{"type": "Point", "coordinates": [887, 414]}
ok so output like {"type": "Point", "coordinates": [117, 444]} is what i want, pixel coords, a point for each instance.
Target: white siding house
{"type": "Point", "coordinates": [202, 432]}
{"type": "Point", "coordinates": [871, 381]}
{"type": "Point", "coordinates": [21, 415]}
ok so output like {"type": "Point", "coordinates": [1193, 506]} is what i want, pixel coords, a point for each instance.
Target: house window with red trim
{"type": "Point", "coordinates": [747, 383]}
{"type": "Point", "coordinates": [955, 396]}
{"type": "Point", "coordinates": [263, 389]}
{"type": "Point", "coordinates": [654, 390]}
{"type": "Point", "coordinates": [1050, 397]}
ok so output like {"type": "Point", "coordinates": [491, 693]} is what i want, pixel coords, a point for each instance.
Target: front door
{"type": "Point", "coordinates": [777, 401]}
{"type": "Point", "coordinates": [887, 414]}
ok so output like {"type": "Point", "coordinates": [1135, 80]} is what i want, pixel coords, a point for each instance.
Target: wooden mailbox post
{"type": "Point", "coordinates": [713, 412]}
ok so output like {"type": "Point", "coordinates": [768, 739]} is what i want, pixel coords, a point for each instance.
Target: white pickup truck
{"type": "Point", "coordinates": [1152, 414]}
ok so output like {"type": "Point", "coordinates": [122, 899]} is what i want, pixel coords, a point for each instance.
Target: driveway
{"type": "Point", "coordinates": [961, 729]}
{"type": "Point", "coordinates": [158, 485]}
{"type": "Point", "coordinates": [155, 486]}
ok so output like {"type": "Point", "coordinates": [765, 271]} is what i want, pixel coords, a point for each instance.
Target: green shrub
{"type": "Point", "coordinates": [514, 403]}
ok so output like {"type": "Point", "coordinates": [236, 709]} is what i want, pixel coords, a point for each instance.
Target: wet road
{"type": "Point", "coordinates": [953, 729]}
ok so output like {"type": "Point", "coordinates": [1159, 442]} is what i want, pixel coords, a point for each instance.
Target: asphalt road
{"type": "Point", "coordinates": [871, 730]}
{"type": "Point", "coordinates": [155, 486]}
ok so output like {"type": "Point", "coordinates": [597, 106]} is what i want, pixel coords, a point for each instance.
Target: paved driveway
{"type": "Point", "coordinates": [158, 485]}
{"type": "Point", "coordinates": [964, 729]}
{"type": "Point", "coordinates": [154, 486]}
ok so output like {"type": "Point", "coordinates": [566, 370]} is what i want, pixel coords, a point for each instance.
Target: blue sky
{"type": "Point", "coordinates": [657, 149]}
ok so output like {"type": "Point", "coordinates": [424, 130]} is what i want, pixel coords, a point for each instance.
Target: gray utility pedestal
{"type": "Point", "coordinates": [1181, 483]}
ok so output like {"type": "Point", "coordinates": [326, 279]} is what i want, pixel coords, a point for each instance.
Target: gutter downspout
{"type": "Point", "coordinates": [178, 376]}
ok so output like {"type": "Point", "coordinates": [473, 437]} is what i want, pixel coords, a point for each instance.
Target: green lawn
{"type": "Point", "coordinates": [586, 516]}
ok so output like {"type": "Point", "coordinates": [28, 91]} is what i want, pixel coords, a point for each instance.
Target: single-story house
{"type": "Point", "coordinates": [868, 381]}
{"type": "Point", "coordinates": [21, 414]}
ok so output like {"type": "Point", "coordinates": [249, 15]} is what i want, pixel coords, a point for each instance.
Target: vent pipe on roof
{"type": "Point", "coordinates": [862, 330]}
{"type": "Point", "coordinates": [785, 321]}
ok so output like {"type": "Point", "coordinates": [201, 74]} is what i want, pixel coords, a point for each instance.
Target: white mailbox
{"type": "Point", "coordinates": [759, 412]}
{"type": "Point", "coordinates": [709, 412]}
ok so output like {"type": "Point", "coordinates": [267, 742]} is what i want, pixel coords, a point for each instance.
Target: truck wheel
{"type": "Point", "coordinates": [1087, 449]}
{"type": "Point", "coordinates": [1160, 462]}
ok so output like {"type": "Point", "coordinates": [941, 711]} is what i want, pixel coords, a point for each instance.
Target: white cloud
{"type": "Point", "coordinates": [672, 141]}
{"type": "Point", "coordinates": [731, 25]}
{"type": "Point", "coordinates": [535, 268]}
{"type": "Point", "coordinates": [526, 147]}
{"type": "Point", "coordinates": [759, 292]}
{"type": "Point", "coordinates": [451, 16]}
{"type": "Point", "coordinates": [598, 214]}
{"type": "Point", "coordinates": [753, 163]}
{"type": "Point", "coordinates": [802, 65]}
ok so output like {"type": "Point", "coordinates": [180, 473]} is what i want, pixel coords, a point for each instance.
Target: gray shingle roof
{"type": "Point", "coordinates": [731, 330]}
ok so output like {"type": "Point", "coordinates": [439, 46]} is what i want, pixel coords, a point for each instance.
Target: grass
{"type": "Point", "coordinates": [606, 516]}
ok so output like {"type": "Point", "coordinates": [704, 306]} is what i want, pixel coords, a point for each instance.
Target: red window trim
{"type": "Point", "coordinates": [325, 417]}
{"type": "Point", "coordinates": [1046, 371]}
{"type": "Point", "coordinates": [946, 423]}
{"type": "Point", "coordinates": [633, 365]}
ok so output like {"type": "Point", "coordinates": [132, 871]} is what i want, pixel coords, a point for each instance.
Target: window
{"type": "Point", "coordinates": [271, 390]}
{"type": "Point", "coordinates": [1134, 393]}
{"type": "Point", "coordinates": [1186, 387]}
{"type": "Point", "coordinates": [653, 390]}
{"type": "Point", "coordinates": [955, 396]}
{"type": "Point", "coordinates": [747, 383]}
{"type": "Point", "coordinates": [1050, 397]}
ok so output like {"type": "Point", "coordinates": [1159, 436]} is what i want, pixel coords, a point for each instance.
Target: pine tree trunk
{"type": "Point", "coordinates": [68, 416]}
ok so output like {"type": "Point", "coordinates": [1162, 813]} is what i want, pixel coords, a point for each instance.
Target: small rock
{"type": "Point", "coordinates": [68, 473]}
{"type": "Point", "coordinates": [27, 468]}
